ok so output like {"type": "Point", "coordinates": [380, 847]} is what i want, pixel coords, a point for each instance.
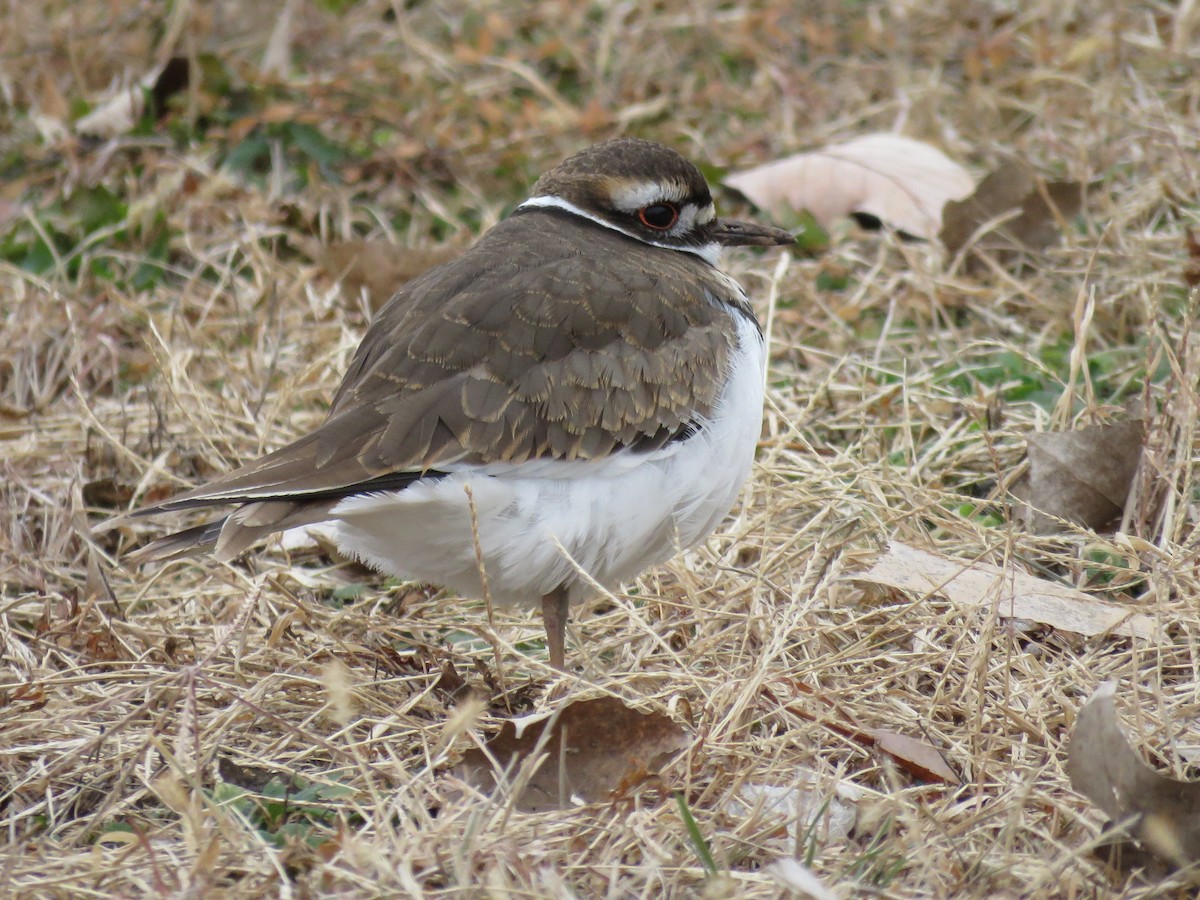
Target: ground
{"type": "Point", "coordinates": [168, 310]}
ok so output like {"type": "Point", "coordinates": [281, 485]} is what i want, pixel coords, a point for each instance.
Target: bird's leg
{"type": "Point", "coordinates": [554, 617]}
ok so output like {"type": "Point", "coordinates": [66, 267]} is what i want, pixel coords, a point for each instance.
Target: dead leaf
{"type": "Point", "coordinates": [1082, 476]}
{"type": "Point", "coordinates": [807, 804]}
{"type": "Point", "coordinates": [381, 267]}
{"type": "Point", "coordinates": [339, 692]}
{"type": "Point", "coordinates": [51, 101]}
{"type": "Point", "coordinates": [916, 757]}
{"type": "Point", "coordinates": [120, 113]}
{"type": "Point", "coordinates": [1040, 210]}
{"type": "Point", "coordinates": [33, 695]}
{"type": "Point", "coordinates": [174, 77]}
{"type": "Point", "coordinates": [51, 110]}
{"type": "Point", "coordinates": [115, 116]}
{"type": "Point", "coordinates": [796, 877]}
{"type": "Point", "coordinates": [901, 182]}
{"type": "Point", "coordinates": [1162, 813]}
{"type": "Point", "coordinates": [277, 58]}
{"type": "Point", "coordinates": [451, 683]}
{"type": "Point", "coordinates": [596, 748]}
{"type": "Point", "coordinates": [1191, 271]}
{"type": "Point", "coordinates": [253, 778]}
{"type": "Point", "coordinates": [9, 212]}
{"type": "Point", "coordinates": [1015, 594]}
{"type": "Point", "coordinates": [108, 493]}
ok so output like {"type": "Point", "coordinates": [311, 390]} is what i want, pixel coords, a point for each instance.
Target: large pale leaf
{"type": "Point", "coordinates": [902, 182]}
{"type": "Point", "coordinates": [1013, 593]}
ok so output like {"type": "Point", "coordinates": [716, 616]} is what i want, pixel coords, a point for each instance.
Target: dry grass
{"type": "Point", "coordinates": [120, 690]}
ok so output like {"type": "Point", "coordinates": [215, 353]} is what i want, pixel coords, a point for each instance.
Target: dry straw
{"type": "Point", "coordinates": [118, 705]}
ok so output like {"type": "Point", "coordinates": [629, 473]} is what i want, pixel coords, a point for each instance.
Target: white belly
{"type": "Point", "coordinates": [540, 523]}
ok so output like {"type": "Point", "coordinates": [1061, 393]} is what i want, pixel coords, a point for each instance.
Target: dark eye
{"type": "Point", "coordinates": [659, 216]}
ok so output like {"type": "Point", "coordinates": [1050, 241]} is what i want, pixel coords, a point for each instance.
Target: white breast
{"type": "Point", "coordinates": [613, 518]}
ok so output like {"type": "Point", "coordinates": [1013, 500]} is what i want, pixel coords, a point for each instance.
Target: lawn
{"type": "Point", "coordinates": [188, 260]}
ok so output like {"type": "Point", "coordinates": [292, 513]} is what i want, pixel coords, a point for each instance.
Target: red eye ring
{"type": "Point", "coordinates": [659, 216]}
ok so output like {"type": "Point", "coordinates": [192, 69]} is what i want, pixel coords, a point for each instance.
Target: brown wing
{"type": "Point", "coordinates": [511, 355]}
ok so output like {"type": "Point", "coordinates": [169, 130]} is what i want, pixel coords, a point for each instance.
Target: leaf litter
{"type": "Point", "coordinates": [1013, 594]}
{"type": "Point", "coordinates": [1011, 211]}
{"type": "Point", "coordinates": [899, 181]}
{"type": "Point", "coordinates": [917, 757]}
{"type": "Point", "coordinates": [1082, 477]}
{"type": "Point", "coordinates": [161, 328]}
{"type": "Point", "coordinates": [587, 751]}
{"type": "Point", "coordinates": [805, 809]}
{"type": "Point", "coordinates": [1162, 813]}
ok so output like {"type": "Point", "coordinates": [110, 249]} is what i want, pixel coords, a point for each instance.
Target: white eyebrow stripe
{"type": "Point", "coordinates": [710, 253]}
{"type": "Point", "coordinates": [630, 196]}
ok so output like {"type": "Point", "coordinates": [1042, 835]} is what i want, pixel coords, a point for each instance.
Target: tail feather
{"type": "Point", "coordinates": [231, 536]}
{"type": "Point", "coordinates": [189, 542]}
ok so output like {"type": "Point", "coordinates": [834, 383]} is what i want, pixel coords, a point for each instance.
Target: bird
{"type": "Point", "coordinates": [574, 399]}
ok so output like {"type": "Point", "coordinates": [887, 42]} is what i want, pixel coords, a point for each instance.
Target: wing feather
{"type": "Point", "coordinates": [505, 356]}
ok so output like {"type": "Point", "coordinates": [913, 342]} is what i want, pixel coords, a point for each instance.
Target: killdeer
{"type": "Point", "coordinates": [573, 400]}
